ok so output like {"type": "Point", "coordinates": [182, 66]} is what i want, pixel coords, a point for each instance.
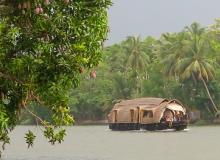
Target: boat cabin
{"type": "Point", "coordinates": [148, 113]}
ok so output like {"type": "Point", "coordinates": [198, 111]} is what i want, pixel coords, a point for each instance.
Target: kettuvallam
{"type": "Point", "coordinates": [149, 114]}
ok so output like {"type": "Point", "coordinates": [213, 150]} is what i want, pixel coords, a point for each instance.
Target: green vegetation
{"type": "Point", "coordinates": [182, 65]}
{"type": "Point", "coordinates": [44, 45]}
{"type": "Point", "coordinates": [48, 47]}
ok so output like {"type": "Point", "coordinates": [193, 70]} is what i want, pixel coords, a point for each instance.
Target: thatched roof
{"type": "Point", "coordinates": [151, 102]}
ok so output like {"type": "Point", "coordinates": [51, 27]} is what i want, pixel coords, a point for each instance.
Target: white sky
{"type": "Point", "coordinates": [153, 17]}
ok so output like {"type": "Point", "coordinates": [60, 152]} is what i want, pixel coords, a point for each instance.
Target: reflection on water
{"type": "Point", "coordinates": [99, 143]}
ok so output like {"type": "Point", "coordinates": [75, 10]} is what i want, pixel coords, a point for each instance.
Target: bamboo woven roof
{"type": "Point", "coordinates": [148, 102]}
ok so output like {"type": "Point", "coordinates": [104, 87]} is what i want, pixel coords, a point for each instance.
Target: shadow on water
{"type": "Point", "coordinates": [146, 131]}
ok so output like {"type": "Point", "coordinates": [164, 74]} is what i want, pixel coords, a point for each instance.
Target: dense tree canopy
{"type": "Point", "coordinates": [47, 47]}
{"type": "Point", "coordinates": [182, 65]}
{"type": "Point", "coordinates": [44, 45]}
{"type": "Point", "coordinates": [190, 56]}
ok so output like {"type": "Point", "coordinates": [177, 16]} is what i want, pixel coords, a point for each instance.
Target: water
{"type": "Point", "coordinates": [99, 143]}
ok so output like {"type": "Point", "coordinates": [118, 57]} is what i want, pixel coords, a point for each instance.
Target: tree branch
{"type": "Point", "coordinates": [10, 77]}
{"type": "Point", "coordinates": [36, 116]}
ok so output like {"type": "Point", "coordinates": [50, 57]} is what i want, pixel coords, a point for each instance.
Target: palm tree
{"type": "Point", "coordinates": [171, 47]}
{"type": "Point", "coordinates": [137, 60]}
{"type": "Point", "coordinates": [192, 58]}
{"type": "Point", "coordinates": [198, 64]}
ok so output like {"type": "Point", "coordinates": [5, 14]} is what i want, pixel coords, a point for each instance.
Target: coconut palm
{"type": "Point", "coordinates": [170, 47]}
{"type": "Point", "coordinates": [191, 59]}
{"type": "Point", "coordinates": [137, 60]}
{"type": "Point", "coordinates": [197, 63]}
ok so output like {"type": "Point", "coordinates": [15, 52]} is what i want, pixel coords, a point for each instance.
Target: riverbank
{"type": "Point", "coordinates": [105, 122]}
{"type": "Point", "coordinates": [200, 122]}
{"type": "Point", "coordinates": [92, 122]}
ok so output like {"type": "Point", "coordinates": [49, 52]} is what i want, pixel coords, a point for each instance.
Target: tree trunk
{"type": "Point", "coordinates": [137, 90]}
{"type": "Point", "coordinates": [207, 90]}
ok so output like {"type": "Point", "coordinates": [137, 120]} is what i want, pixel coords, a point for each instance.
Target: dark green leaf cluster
{"type": "Point", "coordinates": [53, 137]}
{"type": "Point", "coordinates": [4, 125]}
{"type": "Point", "coordinates": [43, 46]}
{"type": "Point", "coordinates": [30, 137]}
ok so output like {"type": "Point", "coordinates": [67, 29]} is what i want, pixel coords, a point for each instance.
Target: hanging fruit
{"type": "Point", "coordinates": [41, 10]}
{"type": "Point", "coordinates": [81, 70]}
{"type": "Point", "coordinates": [46, 2]}
{"type": "Point", "coordinates": [37, 10]}
{"type": "Point", "coordinates": [93, 74]}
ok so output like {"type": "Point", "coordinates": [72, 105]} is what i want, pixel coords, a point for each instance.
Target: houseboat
{"type": "Point", "coordinates": [148, 114]}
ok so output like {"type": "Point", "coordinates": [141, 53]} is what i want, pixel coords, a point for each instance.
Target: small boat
{"type": "Point", "coordinates": [148, 114]}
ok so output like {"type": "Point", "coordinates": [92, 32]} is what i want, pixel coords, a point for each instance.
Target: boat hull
{"type": "Point", "coordinates": [178, 126]}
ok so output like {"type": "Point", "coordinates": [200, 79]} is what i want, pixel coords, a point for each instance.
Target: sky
{"type": "Point", "coordinates": [154, 17]}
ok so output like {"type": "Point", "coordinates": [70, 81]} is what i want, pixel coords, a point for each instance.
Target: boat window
{"type": "Point", "coordinates": [132, 115]}
{"type": "Point", "coordinates": [148, 114]}
{"type": "Point", "coordinates": [115, 115]}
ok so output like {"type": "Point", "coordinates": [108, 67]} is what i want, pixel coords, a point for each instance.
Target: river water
{"type": "Point", "coordinates": [99, 143]}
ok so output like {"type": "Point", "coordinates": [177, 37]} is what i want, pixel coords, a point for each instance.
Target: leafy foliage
{"type": "Point", "coordinates": [176, 62]}
{"type": "Point", "coordinates": [30, 137]}
{"type": "Point", "coordinates": [192, 59]}
{"type": "Point", "coordinates": [43, 46]}
{"type": "Point", "coordinates": [53, 137]}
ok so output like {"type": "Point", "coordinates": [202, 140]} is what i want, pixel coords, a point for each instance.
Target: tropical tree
{"type": "Point", "coordinates": [91, 100]}
{"type": "Point", "coordinates": [190, 56]}
{"type": "Point", "coordinates": [115, 56]}
{"type": "Point", "coordinates": [137, 60]}
{"type": "Point", "coordinates": [44, 45]}
{"type": "Point", "coordinates": [95, 96]}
